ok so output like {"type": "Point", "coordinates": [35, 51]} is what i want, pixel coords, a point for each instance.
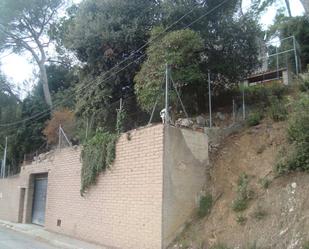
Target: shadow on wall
{"type": "Point", "coordinates": [185, 164]}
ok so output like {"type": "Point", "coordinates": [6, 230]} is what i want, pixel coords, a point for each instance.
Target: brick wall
{"type": "Point", "coordinates": [141, 203]}
{"type": "Point", "coordinates": [123, 210]}
{"type": "Point", "coordinates": [9, 199]}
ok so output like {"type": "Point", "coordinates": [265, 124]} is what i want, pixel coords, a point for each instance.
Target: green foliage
{"type": "Point", "coordinates": [277, 109]}
{"type": "Point", "coordinates": [294, 26]}
{"type": "Point", "coordinates": [304, 85]}
{"type": "Point", "coordinates": [24, 27]}
{"type": "Point", "coordinates": [205, 205]}
{"type": "Point", "coordinates": [296, 157]}
{"type": "Point", "coordinates": [230, 42]}
{"type": "Point", "coordinates": [262, 95]}
{"type": "Point", "coordinates": [219, 246]}
{"type": "Point", "coordinates": [241, 220]}
{"type": "Point", "coordinates": [26, 137]}
{"type": "Point", "coordinates": [253, 246]}
{"type": "Point", "coordinates": [269, 98]}
{"type": "Point", "coordinates": [254, 118]}
{"type": "Point", "coordinates": [23, 20]}
{"type": "Point", "coordinates": [259, 213]}
{"type": "Point", "coordinates": [240, 204]}
{"type": "Point", "coordinates": [97, 155]}
{"type": "Point", "coordinates": [102, 34]}
{"type": "Point", "coordinates": [306, 245]}
{"type": "Point", "coordinates": [298, 130]}
{"type": "Point", "coordinates": [62, 81]}
{"type": "Point", "coordinates": [121, 114]}
{"type": "Point", "coordinates": [181, 49]}
{"type": "Point", "coordinates": [244, 195]}
{"type": "Point", "coordinates": [265, 182]}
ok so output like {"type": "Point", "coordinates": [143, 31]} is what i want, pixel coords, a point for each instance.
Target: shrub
{"type": "Point", "coordinates": [253, 246]}
{"type": "Point", "coordinates": [304, 86]}
{"type": "Point", "coordinates": [259, 213]}
{"type": "Point", "coordinates": [296, 157]}
{"type": "Point", "coordinates": [243, 194]}
{"type": "Point", "coordinates": [306, 245]}
{"type": "Point", "coordinates": [298, 130]}
{"type": "Point", "coordinates": [240, 204]}
{"type": "Point", "coordinates": [260, 94]}
{"type": "Point", "coordinates": [66, 119]}
{"type": "Point", "coordinates": [219, 246]}
{"type": "Point", "coordinates": [97, 155]}
{"type": "Point", "coordinates": [265, 182]}
{"type": "Point", "coordinates": [254, 119]}
{"type": "Point", "coordinates": [241, 219]}
{"type": "Point", "coordinates": [277, 109]}
{"type": "Point", "coordinates": [205, 205]}
{"type": "Point", "coordinates": [277, 90]}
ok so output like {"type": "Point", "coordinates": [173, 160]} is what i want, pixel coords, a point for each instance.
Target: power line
{"type": "Point", "coordinates": [109, 71]}
{"type": "Point", "coordinates": [28, 122]}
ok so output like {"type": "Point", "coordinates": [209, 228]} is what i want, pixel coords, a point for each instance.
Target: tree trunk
{"type": "Point", "coordinates": [44, 79]}
{"type": "Point", "coordinates": [306, 5]}
{"type": "Point", "coordinates": [287, 3]}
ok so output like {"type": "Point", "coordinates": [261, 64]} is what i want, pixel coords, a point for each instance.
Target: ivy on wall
{"type": "Point", "coordinates": [99, 153]}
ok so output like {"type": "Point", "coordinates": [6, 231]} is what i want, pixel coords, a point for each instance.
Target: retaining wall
{"type": "Point", "coordinates": [141, 202]}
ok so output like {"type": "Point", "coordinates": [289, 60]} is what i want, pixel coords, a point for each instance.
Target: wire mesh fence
{"type": "Point", "coordinates": [203, 107]}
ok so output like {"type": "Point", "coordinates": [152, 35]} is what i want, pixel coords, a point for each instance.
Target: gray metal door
{"type": "Point", "coordinates": [39, 200]}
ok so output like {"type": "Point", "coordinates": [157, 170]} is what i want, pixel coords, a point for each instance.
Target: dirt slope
{"type": "Point", "coordinates": [277, 217]}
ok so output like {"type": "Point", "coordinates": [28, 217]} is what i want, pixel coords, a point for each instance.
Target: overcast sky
{"type": "Point", "coordinates": [18, 68]}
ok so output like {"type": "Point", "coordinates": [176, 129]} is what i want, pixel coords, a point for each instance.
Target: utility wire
{"type": "Point", "coordinates": [85, 86]}
{"type": "Point", "coordinates": [28, 122]}
{"type": "Point", "coordinates": [178, 95]}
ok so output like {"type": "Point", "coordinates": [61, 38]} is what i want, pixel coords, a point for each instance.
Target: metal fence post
{"type": "Point", "coordinates": [295, 54]}
{"type": "Point", "coordinates": [167, 95]}
{"type": "Point", "coordinates": [243, 102]}
{"type": "Point", "coordinates": [209, 99]}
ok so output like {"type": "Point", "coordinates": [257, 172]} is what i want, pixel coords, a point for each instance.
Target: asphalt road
{"type": "Point", "coordinates": [14, 240]}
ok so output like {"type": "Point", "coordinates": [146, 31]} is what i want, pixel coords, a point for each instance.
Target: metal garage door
{"type": "Point", "coordinates": [39, 199]}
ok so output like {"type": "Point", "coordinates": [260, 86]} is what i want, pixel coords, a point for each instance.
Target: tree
{"type": "Point", "coordinates": [287, 4]}
{"type": "Point", "coordinates": [25, 138]}
{"type": "Point", "coordinates": [102, 34]}
{"type": "Point", "coordinates": [230, 41]}
{"type": "Point", "coordinates": [62, 81]}
{"type": "Point", "coordinates": [66, 119]}
{"type": "Point", "coordinates": [24, 26]}
{"type": "Point", "coordinates": [182, 50]}
{"type": "Point", "coordinates": [6, 87]}
{"type": "Point", "coordinates": [10, 112]}
{"type": "Point", "coordinates": [295, 26]}
{"type": "Point", "coordinates": [229, 50]}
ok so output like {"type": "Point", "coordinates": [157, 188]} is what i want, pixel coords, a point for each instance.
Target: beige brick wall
{"type": "Point", "coordinates": [9, 199]}
{"type": "Point", "coordinates": [123, 210]}
{"type": "Point", "coordinates": [141, 203]}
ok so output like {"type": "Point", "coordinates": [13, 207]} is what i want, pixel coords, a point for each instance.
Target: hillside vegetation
{"type": "Point", "coordinates": [258, 186]}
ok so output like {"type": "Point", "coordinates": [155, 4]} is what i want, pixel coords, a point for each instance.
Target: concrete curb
{"type": "Point", "coordinates": [57, 240]}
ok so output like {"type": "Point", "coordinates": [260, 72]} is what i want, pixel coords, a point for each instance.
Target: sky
{"type": "Point", "coordinates": [20, 71]}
